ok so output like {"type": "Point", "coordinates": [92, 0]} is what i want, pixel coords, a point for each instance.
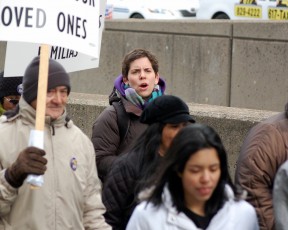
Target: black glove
{"type": "Point", "coordinates": [29, 161]}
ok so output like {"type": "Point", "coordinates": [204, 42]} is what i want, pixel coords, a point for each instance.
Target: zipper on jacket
{"type": "Point", "coordinates": [53, 129]}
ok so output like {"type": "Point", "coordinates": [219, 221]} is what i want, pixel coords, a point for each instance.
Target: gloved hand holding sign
{"type": "Point", "coordinates": [30, 161]}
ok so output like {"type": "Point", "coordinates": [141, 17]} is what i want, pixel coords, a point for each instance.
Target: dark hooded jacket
{"type": "Point", "coordinates": [105, 133]}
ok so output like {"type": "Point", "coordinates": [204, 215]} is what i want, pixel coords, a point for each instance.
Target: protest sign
{"type": "Point", "coordinates": [22, 53]}
{"type": "Point", "coordinates": [72, 24]}
{"type": "Point", "coordinates": [72, 60]}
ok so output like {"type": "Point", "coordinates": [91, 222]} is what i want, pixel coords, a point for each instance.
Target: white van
{"type": "Point", "coordinates": [243, 9]}
{"type": "Point", "coordinates": [154, 9]}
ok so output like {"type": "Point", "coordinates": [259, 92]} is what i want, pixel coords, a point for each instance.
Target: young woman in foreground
{"type": "Point", "coordinates": [193, 189]}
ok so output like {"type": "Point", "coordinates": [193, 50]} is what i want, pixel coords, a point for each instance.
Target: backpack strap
{"type": "Point", "coordinates": [113, 97]}
{"type": "Point", "coordinates": [122, 120]}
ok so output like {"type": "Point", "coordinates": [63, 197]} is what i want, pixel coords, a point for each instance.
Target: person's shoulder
{"type": "Point", "coordinates": [236, 214]}
{"type": "Point", "coordinates": [9, 117]}
{"type": "Point", "coordinates": [262, 132]}
{"type": "Point", "coordinates": [126, 162]}
{"type": "Point", "coordinates": [107, 114]}
{"type": "Point", "coordinates": [242, 207]}
{"type": "Point", "coordinates": [237, 210]}
{"type": "Point", "coordinates": [239, 204]}
{"type": "Point", "coordinates": [77, 131]}
{"type": "Point", "coordinates": [148, 212]}
{"type": "Point", "coordinates": [145, 216]}
{"type": "Point", "coordinates": [107, 119]}
{"type": "Point", "coordinates": [109, 109]}
{"type": "Point", "coordinates": [6, 122]}
{"type": "Point", "coordinates": [284, 167]}
{"type": "Point", "coordinates": [3, 119]}
{"type": "Point", "coordinates": [282, 173]}
{"type": "Point", "coordinates": [278, 117]}
{"type": "Point", "coordinates": [4, 127]}
{"type": "Point", "coordinates": [9, 129]}
{"type": "Point", "coordinates": [131, 162]}
{"type": "Point", "coordinates": [146, 208]}
{"type": "Point", "coordinates": [273, 121]}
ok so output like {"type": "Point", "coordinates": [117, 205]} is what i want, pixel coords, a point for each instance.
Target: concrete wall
{"type": "Point", "coordinates": [226, 63]}
{"type": "Point", "coordinates": [232, 124]}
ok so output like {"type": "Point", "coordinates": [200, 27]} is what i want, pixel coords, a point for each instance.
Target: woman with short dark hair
{"type": "Point", "coordinates": [118, 125]}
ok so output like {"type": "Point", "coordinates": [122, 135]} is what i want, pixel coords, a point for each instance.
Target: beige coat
{"type": "Point", "coordinates": [69, 199]}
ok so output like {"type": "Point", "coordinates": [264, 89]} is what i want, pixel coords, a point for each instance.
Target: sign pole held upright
{"type": "Point", "coordinates": [37, 136]}
{"type": "Point", "coordinates": [42, 87]}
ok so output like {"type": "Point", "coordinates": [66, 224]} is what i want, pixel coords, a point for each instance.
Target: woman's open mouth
{"type": "Point", "coordinates": [143, 86]}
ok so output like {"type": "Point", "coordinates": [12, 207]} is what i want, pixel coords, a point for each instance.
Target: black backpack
{"type": "Point", "coordinates": [123, 119]}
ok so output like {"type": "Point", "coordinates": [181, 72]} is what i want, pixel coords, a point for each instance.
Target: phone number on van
{"type": "Point", "coordinates": [248, 11]}
{"type": "Point", "coordinates": [275, 13]}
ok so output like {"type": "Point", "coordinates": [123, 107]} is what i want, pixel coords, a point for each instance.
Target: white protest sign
{"type": "Point", "coordinates": [22, 53]}
{"type": "Point", "coordinates": [72, 24]}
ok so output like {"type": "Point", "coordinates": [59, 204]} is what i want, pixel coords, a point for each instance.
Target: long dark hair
{"type": "Point", "coordinates": [187, 142]}
{"type": "Point", "coordinates": [147, 145]}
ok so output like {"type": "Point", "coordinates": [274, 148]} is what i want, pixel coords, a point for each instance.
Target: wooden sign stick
{"type": "Point", "coordinates": [42, 87]}
{"type": "Point", "coordinates": [37, 136]}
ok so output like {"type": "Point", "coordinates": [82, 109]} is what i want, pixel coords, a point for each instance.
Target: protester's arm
{"type": "Point", "coordinates": [280, 197]}
{"type": "Point", "coordinates": [106, 140]}
{"type": "Point", "coordinates": [30, 161]}
{"type": "Point", "coordinates": [257, 165]}
{"type": "Point", "coordinates": [93, 206]}
{"type": "Point", "coordinates": [118, 192]}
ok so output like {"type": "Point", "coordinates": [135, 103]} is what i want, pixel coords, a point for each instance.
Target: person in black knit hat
{"type": "Point", "coordinates": [10, 92]}
{"type": "Point", "coordinates": [70, 196]}
{"type": "Point", "coordinates": [57, 77]}
{"type": "Point", "coordinates": [167, 110]}
{"type": "Point", "coordinates": [165, 116]}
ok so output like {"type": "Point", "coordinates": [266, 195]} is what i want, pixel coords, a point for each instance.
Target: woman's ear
{"type": "Point", "coordinates": [157, 77]}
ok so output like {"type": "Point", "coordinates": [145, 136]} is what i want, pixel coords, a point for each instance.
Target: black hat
{"type": "Point", "coordinates": [57, 76]}
{"type": "Point", "coordinates": [166, 109]}
{"type": "Point", "coordinates": [10, 85]}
